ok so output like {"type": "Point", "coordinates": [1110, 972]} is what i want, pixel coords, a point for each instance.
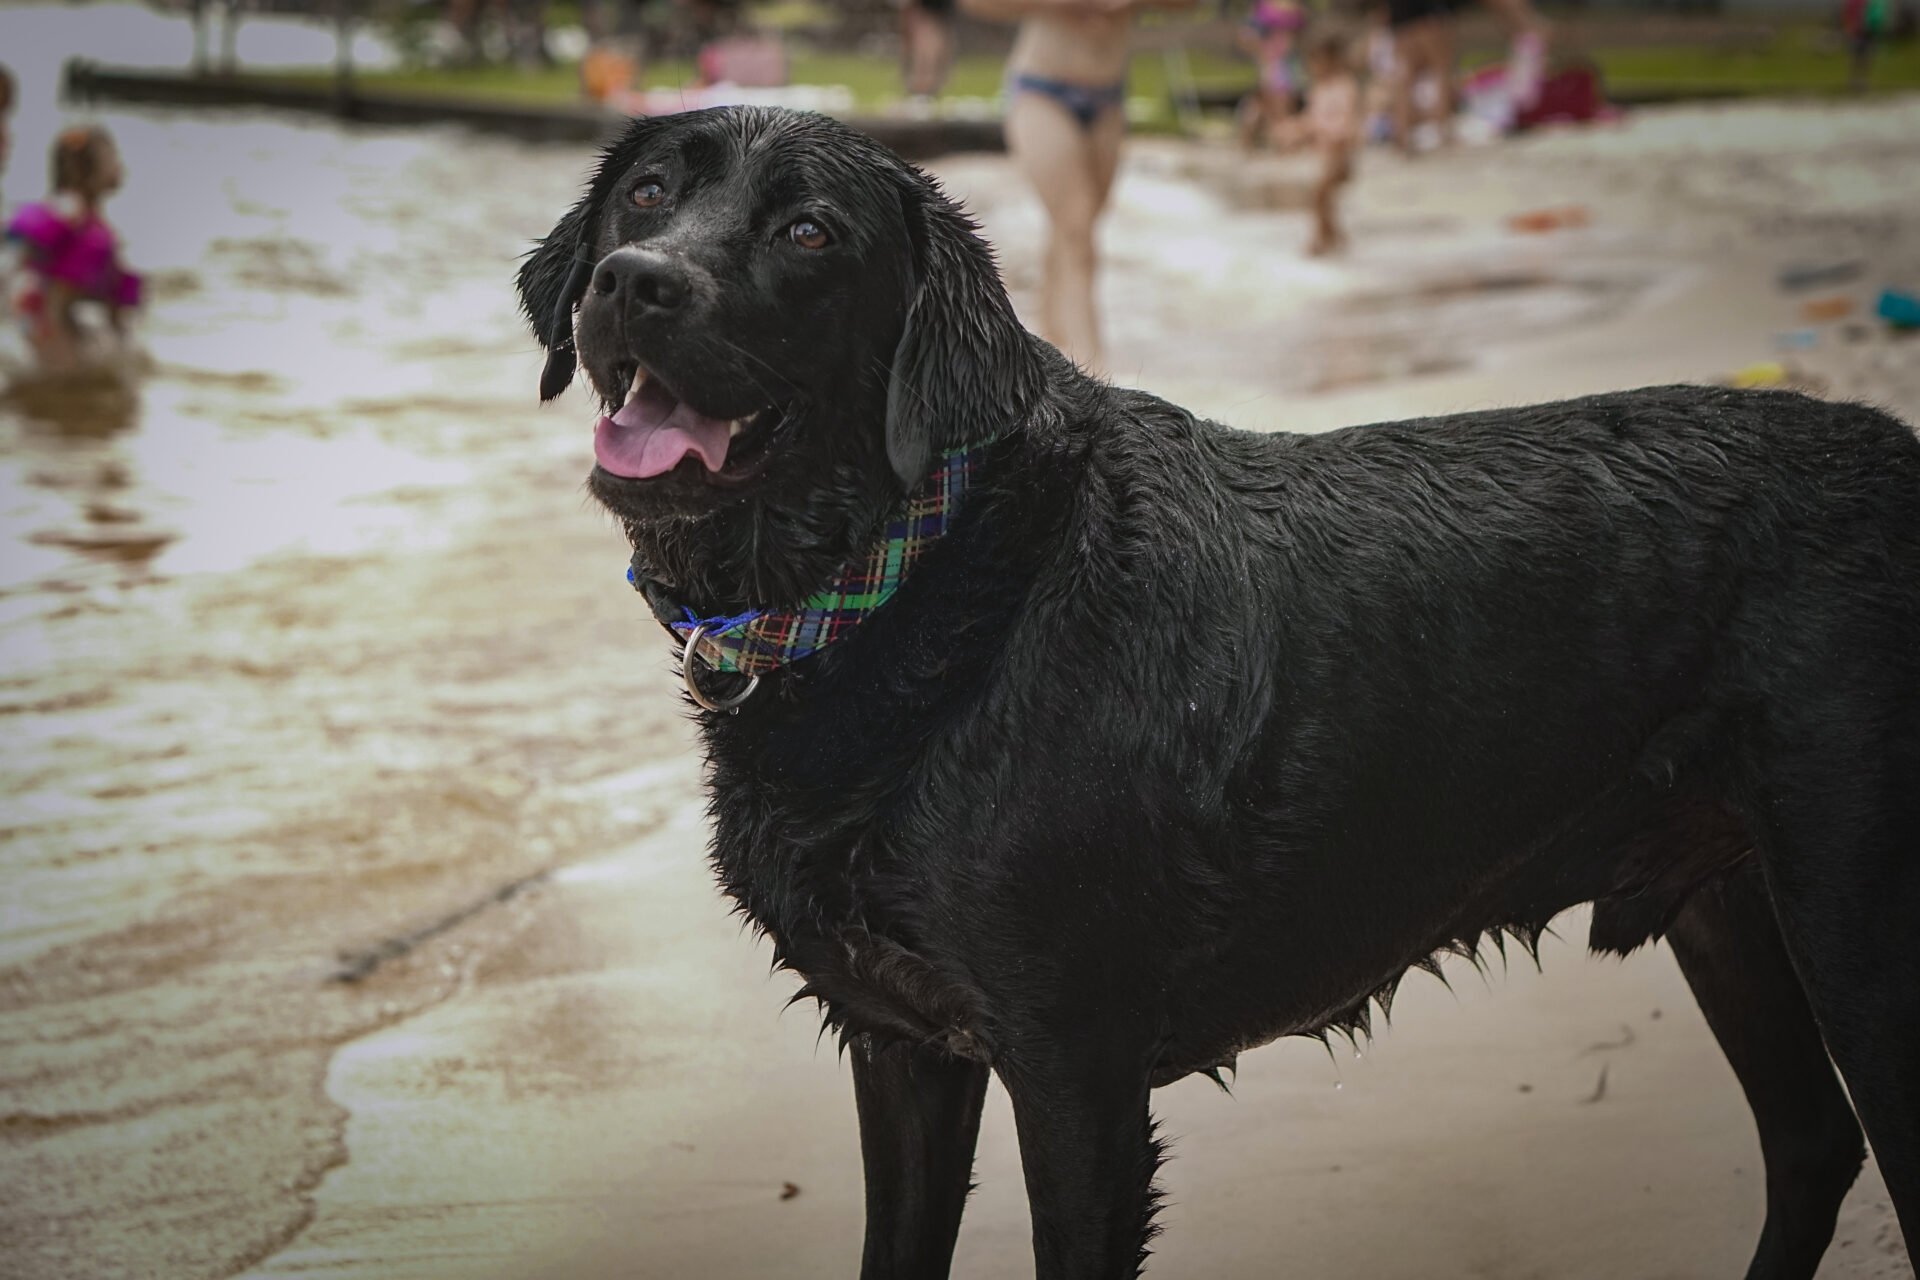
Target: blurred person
{"type": "Point", "coordinates": [701, 22]}
{"type": "Point", "coordinates": [71, 254]}
{"type": "Point", "coordinates": [926, 40]}
{"type": "Point", "coordinates": [464, 17]}
{"type": "Point", "coordinates": [610, 72]}
{"type": "Point", "coordinates": [1863, 22]}
{"type": "Point", "coordinates": [1331, 125]}
{"type": "Point", "coordinates": [1526, 51]}
{"type": "Point", "coordinates": [1268, 36]}
{"type": "Point", "coordinates": [603, 19]}
{"type": "Point", "coordinates": [1423, 44]}
{"type": "Point", "coordinates": [527, 33]}
{"type": "Point", "coordinates": [1066, 98]}
{"type": "Point", "coordinates": [1380, 72]}
{"type": "Point", "coordinates": [522, 25]}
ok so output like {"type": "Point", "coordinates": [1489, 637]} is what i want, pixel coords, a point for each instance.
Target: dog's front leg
{"type": "Point", "coordinates": [1089, 1155]}
{"type": "Point", "coordinates": [919, 1118]}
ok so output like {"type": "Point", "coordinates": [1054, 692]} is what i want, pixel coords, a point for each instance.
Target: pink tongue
{"type": "Point", "coordinates": [653, 431]}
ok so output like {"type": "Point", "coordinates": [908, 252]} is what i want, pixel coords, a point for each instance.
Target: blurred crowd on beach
{"type": "Point", "coordinates": [1322, 78]}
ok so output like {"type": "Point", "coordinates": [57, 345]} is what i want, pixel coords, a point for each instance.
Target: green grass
{"type": "Point", "coordinates": [1799, 60]}
{"type": "Point", "coordinates": [875, 82]}
{"type": "Point", "coordinates": [1795, 64]}
{"type": "Point", "coordinates": [551, 87]}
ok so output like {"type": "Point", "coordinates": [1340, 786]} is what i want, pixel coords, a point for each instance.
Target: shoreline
{"type": "Point", "coordinates": [87, 81]}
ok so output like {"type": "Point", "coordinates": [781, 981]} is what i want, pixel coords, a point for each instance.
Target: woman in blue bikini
{"type": "Point", "coordinates": [1066, 88]}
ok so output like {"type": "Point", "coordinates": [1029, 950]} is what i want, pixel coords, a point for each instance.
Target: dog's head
{"type": "Point", "coordinates": [774, 310]}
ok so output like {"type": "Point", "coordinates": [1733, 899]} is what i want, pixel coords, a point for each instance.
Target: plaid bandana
{"type": "Point", "coordinates": [759, 641]}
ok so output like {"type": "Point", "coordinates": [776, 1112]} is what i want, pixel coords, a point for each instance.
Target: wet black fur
{"type": "Point", "coordinates": [1187, 738]}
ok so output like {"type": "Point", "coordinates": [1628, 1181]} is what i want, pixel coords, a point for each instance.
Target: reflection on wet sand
{"type": "Point", "coordinates": [63, 425]}
{"type": "Point", "coordinates": [256, 717]}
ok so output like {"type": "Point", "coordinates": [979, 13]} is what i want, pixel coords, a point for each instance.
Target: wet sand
{"type": "Point", "coordinates": [378, 707]}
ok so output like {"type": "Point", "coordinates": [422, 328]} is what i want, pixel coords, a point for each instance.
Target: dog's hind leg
{"type": "Point", "coordinates": [919, 1120]}
{"type": "Point", "coordinates": [1838, 810]}
{"type": "Point", "coordinates": [1730, 950]}
{"type": "Point", "coordinates": [1088, 1153]}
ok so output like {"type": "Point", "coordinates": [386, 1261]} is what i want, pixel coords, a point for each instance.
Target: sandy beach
{"type": "Point", "coordinates": [357, 920]}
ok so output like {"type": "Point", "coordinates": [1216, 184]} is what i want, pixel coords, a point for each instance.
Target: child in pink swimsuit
{"type": "Point", "coordinates": [1269, 35]}
{"type": "Point", "coordinates": [71, 253]}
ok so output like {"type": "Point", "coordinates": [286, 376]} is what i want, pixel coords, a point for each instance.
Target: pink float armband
{"type": "Point", "coordinates": [79, 254]}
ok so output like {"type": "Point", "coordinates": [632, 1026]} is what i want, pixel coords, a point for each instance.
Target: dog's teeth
{"type": "Point", "coordinates": [639, 380]}
{"type": "Point", "coordinates": [735, 427]}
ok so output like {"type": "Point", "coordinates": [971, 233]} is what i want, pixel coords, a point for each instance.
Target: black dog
{"type": "Point", "coordinates": [1177, 739]}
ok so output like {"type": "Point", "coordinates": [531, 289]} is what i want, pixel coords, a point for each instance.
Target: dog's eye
{"type": "Point", "coordinates": [649, 194]}
{"type": "Point", "coordinates": [808, 234]}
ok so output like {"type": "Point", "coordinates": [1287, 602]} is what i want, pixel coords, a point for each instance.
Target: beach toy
{"type": "Point", "coordinates": [1794, 339]}
{"type": "Point", "coordinates": [1767, 373]}
{"type": "Point", "coordinates": [1538, 220]}
{"type": "Point", "coordinates": [1899, 309]}
{"type": "Point", "coordinates": [1827, 308]}
{"type": "Point", "coordinates": [1812, 275]}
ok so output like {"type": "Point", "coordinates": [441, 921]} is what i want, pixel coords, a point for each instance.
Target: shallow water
{"type": "Point", "coordinates": [328, 324]}
{"type": "Point", "coordinates": [271, 672]}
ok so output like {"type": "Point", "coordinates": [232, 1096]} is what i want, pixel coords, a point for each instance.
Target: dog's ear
{"type": "Point", "coordinates": [552, 280]}
{"type": "Point", "coordinates": [554, 276]}
{"type": "Point", "coordinates": [965, 370]}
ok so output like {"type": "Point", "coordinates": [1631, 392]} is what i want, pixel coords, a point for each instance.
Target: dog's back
{"type": "Point", "coordinates": [1467, 672]}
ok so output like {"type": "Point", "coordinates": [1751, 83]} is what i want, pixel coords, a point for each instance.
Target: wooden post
{"type": "Point", "coordinates": [229, 36]}
{"type": "Point", "coordinates": [343, 55]}
{"type": "Point", "coordinates": [198, 11]}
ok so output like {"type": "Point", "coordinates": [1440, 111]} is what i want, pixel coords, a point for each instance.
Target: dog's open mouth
{"type": "Point", "coordinates": [654, 431]}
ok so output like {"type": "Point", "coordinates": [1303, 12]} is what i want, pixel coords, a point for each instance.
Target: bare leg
{"type": "Point", "coordinates": [1335, 168]}
{"type": "Point", "coordinates": [1408, 53]}
{"type": "Point", "coordinates": [929, 48]}
{"type": "Point", "coordinates": [1274, 118]}
{"type": "Point", "coordinates": [1072, 170]}
{"type": "Point", "coordinates": [1419, 47]}
{"type": "Point", "coordinates": [55, 334]}
{"type": "Point", "coordinates": [1444, 55]}
{"type": "Point", "coordinates": [1251, 120]}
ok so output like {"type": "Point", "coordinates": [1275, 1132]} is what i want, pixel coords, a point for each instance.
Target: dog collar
{"type": "Point", "coordinates": [760, 641]}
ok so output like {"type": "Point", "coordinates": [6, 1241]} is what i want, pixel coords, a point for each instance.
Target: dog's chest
{"type": "Point", "coordinates": [813, 885]}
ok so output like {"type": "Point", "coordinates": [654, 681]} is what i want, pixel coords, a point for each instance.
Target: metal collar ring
{"type": "Point", "coordinates": [687, 656]}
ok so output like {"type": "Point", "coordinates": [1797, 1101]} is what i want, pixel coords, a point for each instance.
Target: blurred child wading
{"type": "Point", "coordinates": [71, 256]}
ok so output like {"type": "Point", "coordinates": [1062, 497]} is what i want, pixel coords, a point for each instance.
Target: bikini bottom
{"type": "Point", "coordinates": [1085, 103]}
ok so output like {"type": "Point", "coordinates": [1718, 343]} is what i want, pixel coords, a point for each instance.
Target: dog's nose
{"type": "Point", "coordinates": [647, 281]}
